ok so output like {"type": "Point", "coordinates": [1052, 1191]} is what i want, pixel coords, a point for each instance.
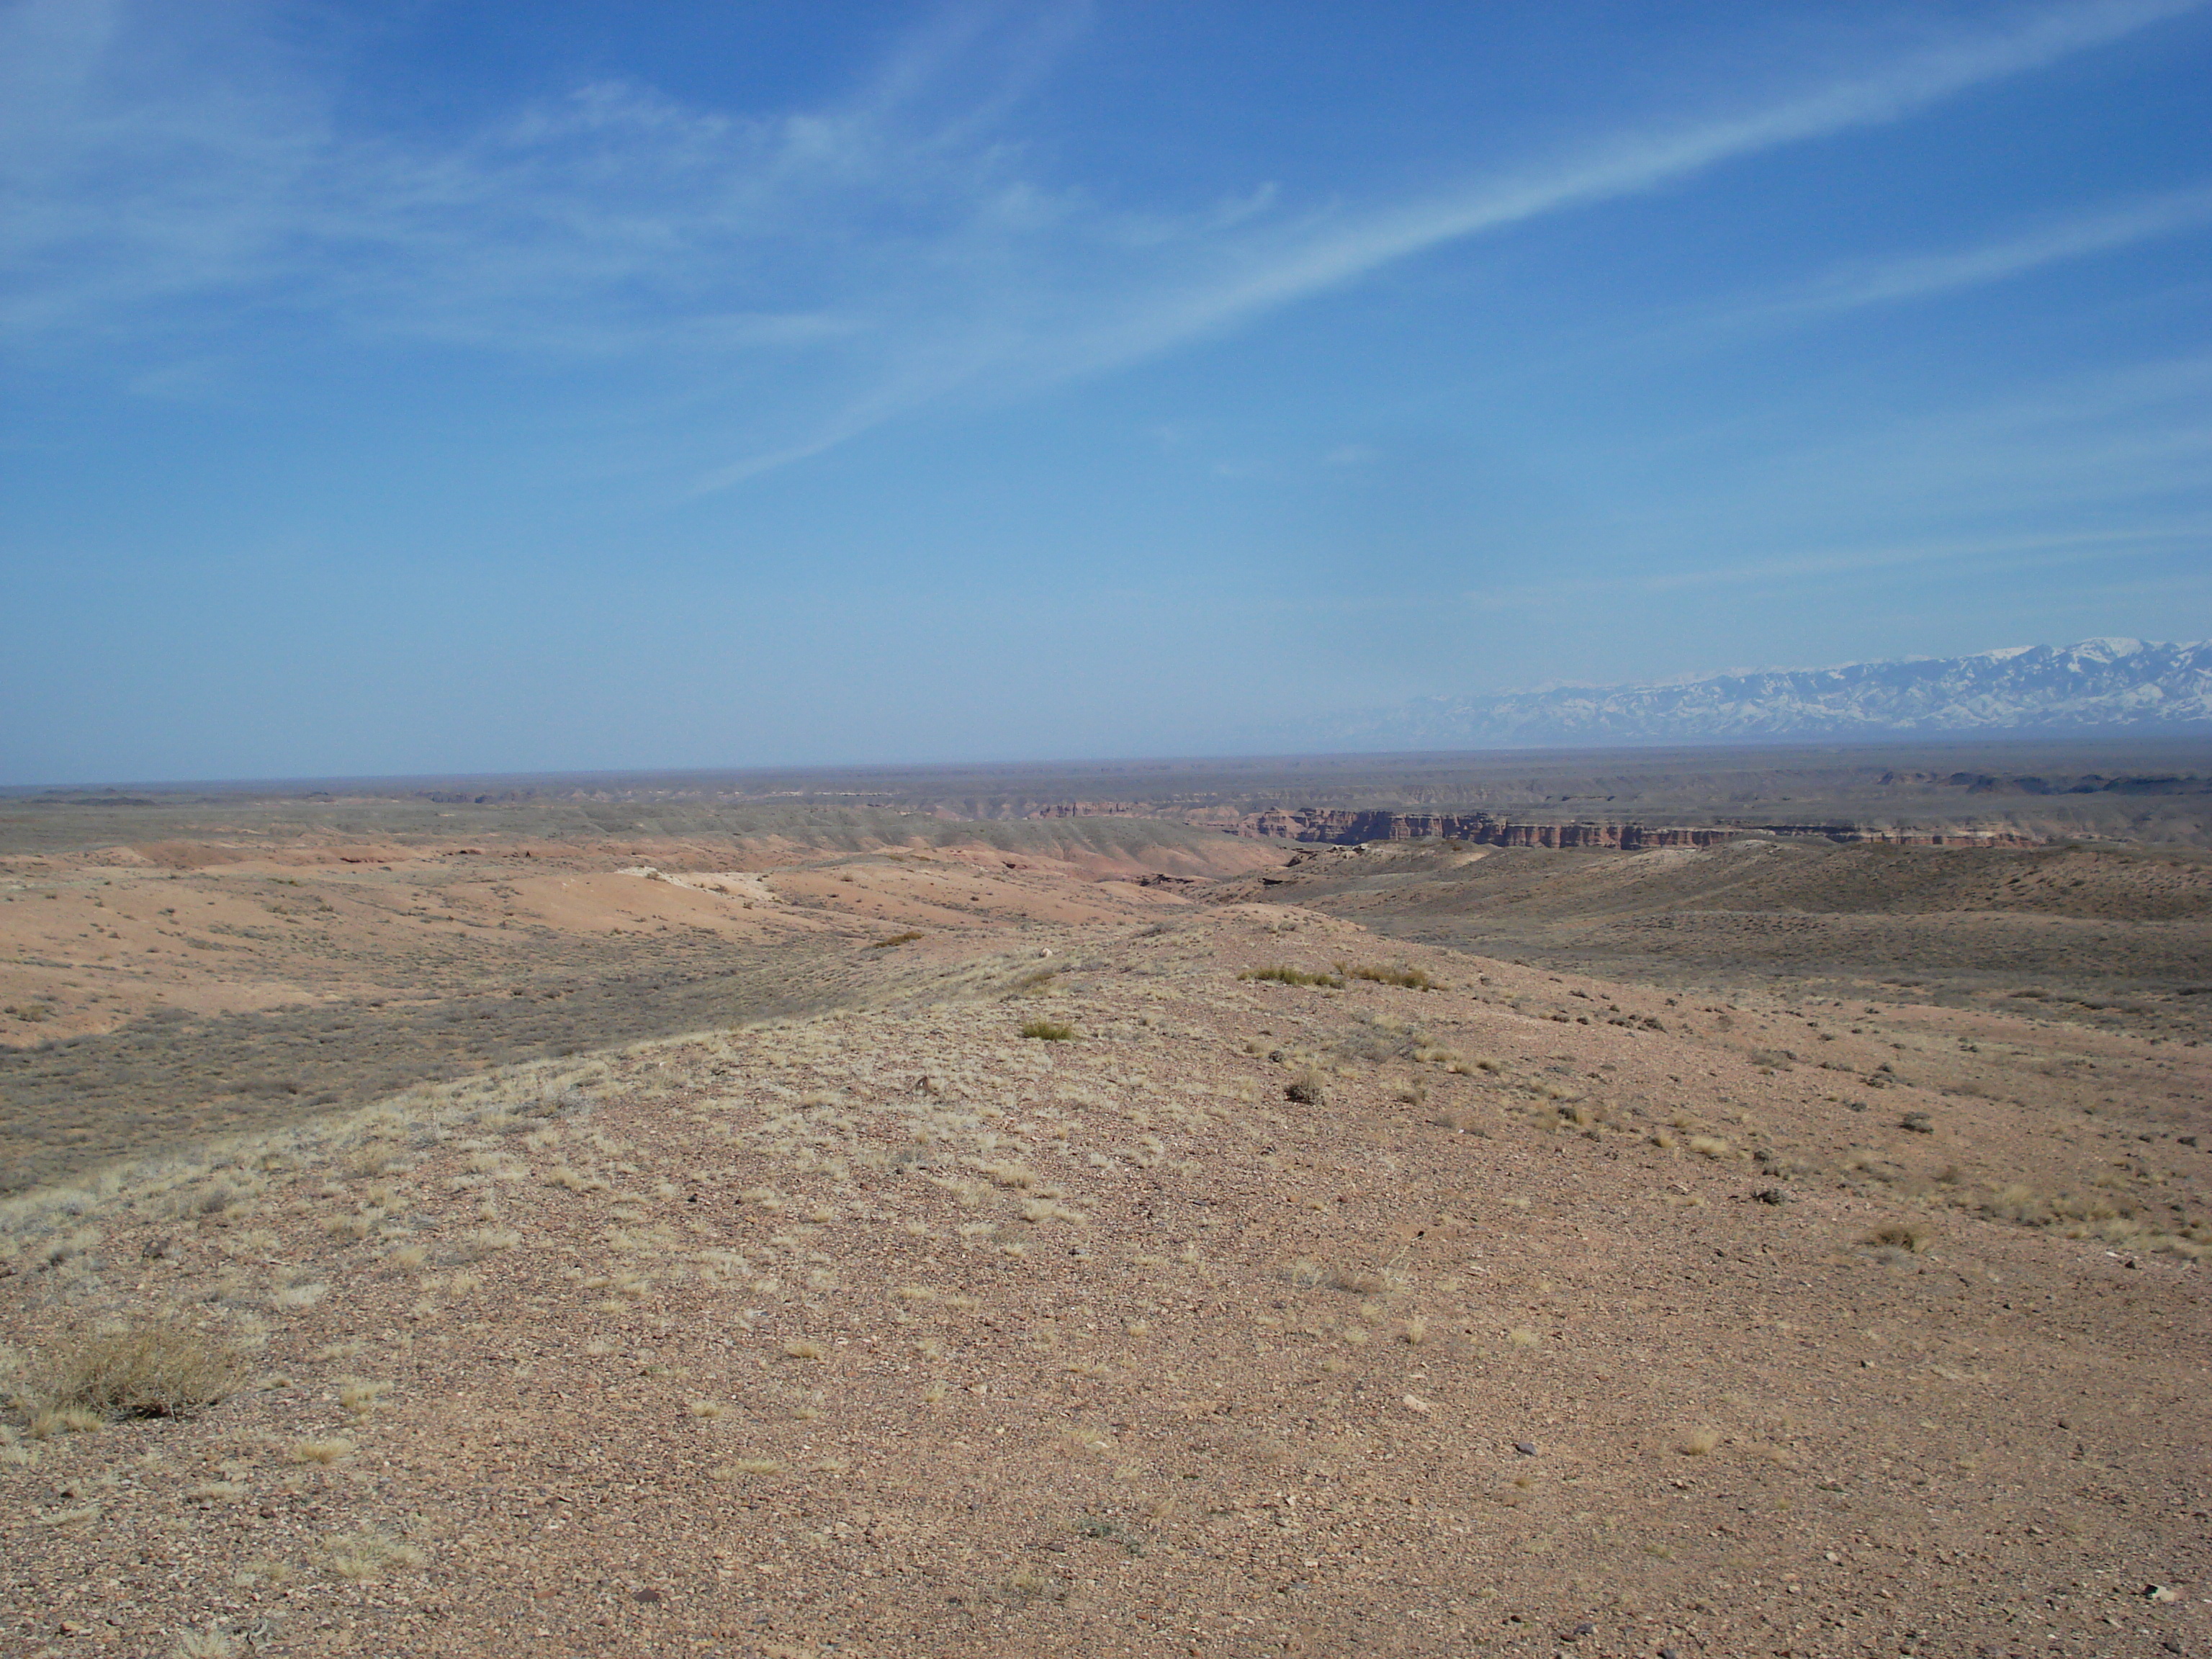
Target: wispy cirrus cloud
{"type": "Point", "coordinates": [901, 244]}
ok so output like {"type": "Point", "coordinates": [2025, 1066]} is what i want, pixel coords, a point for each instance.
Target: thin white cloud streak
{"type": "Point", "coordinates": [1926, 275]}
{"type": "Point", "coordinates": [1910, 277]}
{"type": "Point", "coordinates": [1929, 275]}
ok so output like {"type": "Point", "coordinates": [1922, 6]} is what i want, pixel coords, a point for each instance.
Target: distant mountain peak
{"type": "Point", "coordinates": [2103, 683]}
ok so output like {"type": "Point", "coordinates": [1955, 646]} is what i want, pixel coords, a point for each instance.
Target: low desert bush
{"type": "Point", "coordinates": [154, 1370]}
{"type": "Point", "coordinates": [907, 938]}
{"type": "Point", "coordinates": [1411, 979]}
{"type": "Point", "coordinates": [1284, 975]}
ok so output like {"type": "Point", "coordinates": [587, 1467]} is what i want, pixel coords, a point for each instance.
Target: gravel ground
{"type": "Point", "coordinates": [1537, 1314]}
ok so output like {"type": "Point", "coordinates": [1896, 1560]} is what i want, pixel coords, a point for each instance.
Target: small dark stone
{"type": "Point", "coordinates": [1581, 1630]}
{"type": "Point", "coordinates": [1918, 1122]}
{"type": "Point", "coordinates": [1668, 1653]}
{"type": "Point", "coordinates": [1772, 1195]}
{"type": "Point", "coordinates": [646, 1595]}
{"type": "Point", "coordinates": [1526, 1448]}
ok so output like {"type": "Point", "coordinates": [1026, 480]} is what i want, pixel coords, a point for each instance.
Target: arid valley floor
{"type": "Point", "coordinates": [860, 1231]}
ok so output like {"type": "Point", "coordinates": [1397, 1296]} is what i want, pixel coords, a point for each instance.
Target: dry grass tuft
{"type": "Point", "coordinates": [361, 1397]}
{"type": "Point", "coordinates": [45, 1423]}
{"type": "Point", "coordinates": [155, 1371]}
{"type": "Point", "coordinates": [895, 939]}
{"type": "Point", "coordinates": [213, 1643]}
{"type": "Point", "coordinates": [369, 1552]}
{"type": "Point", "coordinates": [1899, 1236]}
{"type": "Point", "coordinates": [805, 1348]}
{"type": "Point", "coordinates": [1711, 1146]}
{"type": "Point", "coordinates": [1698, 1442]}
{"type": "Point", "coordinates": [742, 1466]}
{"type": "Point", "coordinates": [334, 1450]}
{"type": "Point", "coordinates": [1049, 1031]}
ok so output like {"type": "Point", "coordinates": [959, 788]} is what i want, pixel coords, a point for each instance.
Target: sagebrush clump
{"type": "Point", "coordinates": [152, 1370]}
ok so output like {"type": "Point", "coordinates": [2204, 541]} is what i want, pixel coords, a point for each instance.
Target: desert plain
{"type": "Point", "coordinates": [851, 1221]}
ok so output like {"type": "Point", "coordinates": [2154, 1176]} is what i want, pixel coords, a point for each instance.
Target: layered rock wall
{"type": "Point", "coordinates": [1348, 826]}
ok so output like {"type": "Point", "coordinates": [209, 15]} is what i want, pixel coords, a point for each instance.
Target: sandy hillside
{"type": "Point", "coordinates": [153, 993]}
{"type": "Point", "coordinates": [1515, 1312]}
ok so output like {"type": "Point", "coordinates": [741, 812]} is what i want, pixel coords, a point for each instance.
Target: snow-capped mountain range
{"type": "Point", "coordinates": [2101, 684]}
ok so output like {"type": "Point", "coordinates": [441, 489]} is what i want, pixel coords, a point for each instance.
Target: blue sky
{"type": "Point", "coordinates": [416, 387]}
